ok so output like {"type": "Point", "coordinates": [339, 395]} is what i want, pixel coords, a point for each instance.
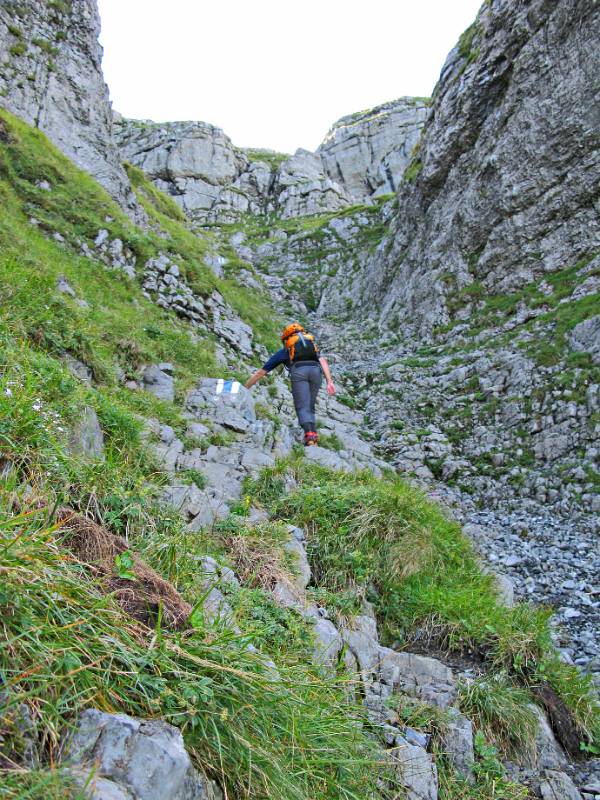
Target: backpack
{"type": "Point", "coordinates": [301, 347]}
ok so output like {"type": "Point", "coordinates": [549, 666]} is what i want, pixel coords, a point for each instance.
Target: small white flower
{"type": "Point", "coordinates": [37, 405]}
{"type": "Point", "coordinates": [8, 392]}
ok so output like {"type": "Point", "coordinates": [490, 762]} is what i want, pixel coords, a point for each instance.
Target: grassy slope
{"type": "Point", "coordinates": [64, 645]}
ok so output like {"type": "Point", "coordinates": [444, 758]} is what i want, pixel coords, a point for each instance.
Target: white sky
{"type": "Point", "coordinates": [273, 73]}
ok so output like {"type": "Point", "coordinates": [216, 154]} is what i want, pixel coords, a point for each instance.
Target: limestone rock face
{"type": "Point", "coordinates": [192, 161]}
{"type": "Point", "coordinates": [586, 338]}
{"type": "Point", "coordinates": [505, 184]}
{"type": "Point", "coordinates": [51, 76]}
{"type": "Point", "coordinates": [197, 164]}
{"type": "Point", "coordinates": [303, 188]}
{"type": "Point", "coordinates": [368, 152]}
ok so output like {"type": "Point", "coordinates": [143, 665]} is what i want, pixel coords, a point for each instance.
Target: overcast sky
{"type": "Point", "coordinates": [273, 73]}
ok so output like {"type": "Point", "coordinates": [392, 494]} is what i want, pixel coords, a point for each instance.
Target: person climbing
{"type": "Point", "coordinates": [306, 367]}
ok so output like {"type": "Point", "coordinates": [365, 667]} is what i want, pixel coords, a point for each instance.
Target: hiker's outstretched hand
{"type": "Point", "coordinates": [330, 389]}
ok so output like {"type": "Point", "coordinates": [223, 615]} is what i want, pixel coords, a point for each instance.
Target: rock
{"type": "Point", "coordinates": [327, 458]}
{"type": "Point", "coordinates": [168, 453]}
{"type": "Point", "coordinates": [328, 642]}
{"type": "Point", "coordinates": [64, 95]}
{"type": "Point", "coordinates": [216, 264]}
{"type": "Point", "coordinates": [213, 508]}
{"type": "Point", "coordinates": [78, 369]}
{"type": "Point", "coordinates": [217, 610]}
{"type": "Point", "coordinates": [216, 572]}
{"type": "Point", "coordinates": [506, 589]}
{"type": "Point", "coordinates": [237, 333]}
{"type": "Point", "coordinates": [300, 565]}
{"type": "Point", "coordinates": [210, 399]}
{"type": "Point", "coordinates": [188, 499]}
{"type": "Point", "coordinates": [416, 738]}
{"type": "Point", "coordinates": [548, 753]}
{"type": "Point", "coordinates": [419, 676]}
{"type": "Point", "coordinates": [369, 151]}
{"type": "Point", "coordinates": [457, 743]}
{"type": "Point", "coordinates": [64, 287]}
{"type": "Point", "coordinates": [86, 437]}
{"type": "Point", "coordinates": [145, 760]}
{"type": "Point", "coordinates": [98, 788]}
{"type": "Point", "coordinates": [198, 430]}
{"type": "Point", "coordinates": [585, 337]}
{"type": "Point", "coordinates": [558, 786]}
{"type": "Point", "coordinates": [417, 770]}
{"type": "Point", "coordinates": [365, 648]}
{"type": "Point", "coordinates": [159, 382]}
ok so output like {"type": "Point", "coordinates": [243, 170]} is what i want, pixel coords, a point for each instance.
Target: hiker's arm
{"type": "Point", "coordinates": [327, 373]}
{"type": "Point", "coordinates": [260, 373]}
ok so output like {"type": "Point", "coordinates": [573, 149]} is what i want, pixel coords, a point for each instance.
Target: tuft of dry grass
{"type": "Point", "coordinates": [144, 594]}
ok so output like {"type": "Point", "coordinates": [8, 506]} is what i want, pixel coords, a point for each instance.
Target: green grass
{"type": "Point", "coordinates": [502, 712]}
{"type": "Point", "coordinates": [412, 171]}
{"type": "Point", "coordinates": [39, 785]}
{"type": "Point", "coordinates": [331, 441]}
{"type": "Point", "coordinates": [18, 49]}
{"type": "Point", "coordinates": [386, 539]}
{"type": "Point", "coordinates": [270, 157]}
{"type": "Point", "coordinates": [154, 198]}
{"type": "Point", "coordinates": [466, 41]}
{"type": "Point", "coordinates": [67, 647]}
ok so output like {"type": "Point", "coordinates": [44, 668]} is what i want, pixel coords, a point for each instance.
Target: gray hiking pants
{"type": "Point", "coordinates": [306, 379]}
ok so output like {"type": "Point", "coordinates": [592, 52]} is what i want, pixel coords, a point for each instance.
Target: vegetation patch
{"type": "Point", "coordinates": [385, 540]}
{"type": "Point", "coordinates": [270, 157]}
{"type": "Point", "coordinates": [502, 711]}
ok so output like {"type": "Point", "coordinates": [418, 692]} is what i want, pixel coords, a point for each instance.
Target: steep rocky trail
{"type": "Point", "coordinates": [381, 674]}
{"type": "Point", "coordinates": [410, 407]}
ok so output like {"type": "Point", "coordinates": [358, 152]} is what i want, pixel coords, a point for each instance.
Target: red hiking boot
{"type": "Point", "coordinates": [310, 438]}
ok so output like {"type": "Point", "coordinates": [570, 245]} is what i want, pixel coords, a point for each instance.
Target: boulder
{"type": "Point", "coordinates": [158, 379]}
{"type": "Point", "coordinates": [86, 437]}
{"type": "Point", "coordinates": [145, 760]}
{"type": "Point", "coordinates": [417, 770]}
{"type": "Point", "coordinates": [557, 785]}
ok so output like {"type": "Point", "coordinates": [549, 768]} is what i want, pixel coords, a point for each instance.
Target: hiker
{"type": "Point", "coordinates": [306, 367]}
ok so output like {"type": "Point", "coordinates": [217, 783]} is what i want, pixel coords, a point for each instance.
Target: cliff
{"type": "Point", "coordinates": [51, 76]}
{"type": "Point", "coordinates": [363, 156]}
{"type": "Point", "coordinates": [503, 190]}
